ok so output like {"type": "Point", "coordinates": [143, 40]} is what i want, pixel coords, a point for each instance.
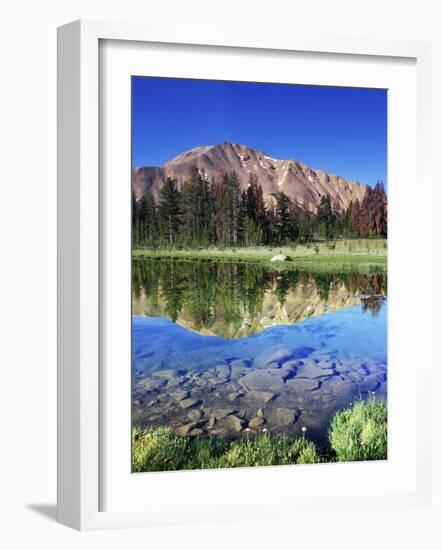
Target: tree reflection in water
{"type": "Point", "coordinates": [238, 299]}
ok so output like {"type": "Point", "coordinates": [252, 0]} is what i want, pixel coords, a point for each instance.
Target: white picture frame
{"type": "Point", "coordinates": [80, 292]}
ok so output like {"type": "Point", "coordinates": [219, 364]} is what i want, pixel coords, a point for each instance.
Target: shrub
{"type": "Point", "coordinates": [360, 432]}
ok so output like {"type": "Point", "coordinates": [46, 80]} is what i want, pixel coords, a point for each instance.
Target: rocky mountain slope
{"type": "Point", "coordinates": [304, 185]}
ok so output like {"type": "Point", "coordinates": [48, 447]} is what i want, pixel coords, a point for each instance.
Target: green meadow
{"type": "Point", "coordinates": [363, 255]}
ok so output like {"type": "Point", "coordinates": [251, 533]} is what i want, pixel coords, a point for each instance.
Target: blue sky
{"type": "Point", "coordinates": [340, 130]}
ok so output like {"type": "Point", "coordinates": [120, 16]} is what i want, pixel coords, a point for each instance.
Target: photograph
{"type": "Point", "coordinates": [259, 274]}
{"type": "Point", "coordinates": [229, 216]}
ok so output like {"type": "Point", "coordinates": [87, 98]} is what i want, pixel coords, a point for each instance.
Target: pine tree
{"type": "Point", "coordinates": [282, 217]}
{"type": "Point", "coordinates": [190, 210]}
{"type": "Point", "coordinates": [355, 214]}
{"type": "Point", "coordinates": [135, 222]}
{"type": "Point", "coordinates": [228, 210]}
{"type": "Point", "coordinates": [245, 229]}
{"type": "Point", "coordinates": [261, 217]}
{"type": "Point", "coordinates": [235, 208]}
{"type": "Point", "coordinates": [150, 232]}
{"type": "Point", "coordinates": [251, 197]}
{"type": "Point", "coordinates": [325, 217]}
{"type": "Point", "coordinates": [197, 208]}
{"type": "Point", "coordinates": [142, 220]}
{"type": "Point", "coordinates": [293, 230]}
{"type": "Point", "coordinates": [169, 211]}
{"type": "Point", "coordinates": [343, 221]}
{"type": "Point", "coordinates": [306, 223]}
{"type": "Point", "coordinates": [379, 210]}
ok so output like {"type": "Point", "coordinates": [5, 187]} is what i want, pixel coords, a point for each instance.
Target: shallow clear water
{"type": "Point", "coordinates": [159, 343]}
{"type": "Point", "coordinates": [274, 351]}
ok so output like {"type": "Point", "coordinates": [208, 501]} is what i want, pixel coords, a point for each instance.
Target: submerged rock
{"type": "Point", "coordinates": [218, 380]}
{"type": "Point", "coordinates": [282, 416]}
{"type": "Point", "coordinates": [341, 387]}
{"type": "Point", "coordinates": [232, 423]}
{"type": "Point", "coordinates": [219, 414]}
{"type": "Point", "coordinates": [263, 396]}
{"type": "Point", "coordinates": [222, 371]}
{"type": "Point", "coordinates": [281, 354]}
{"type": "Point", "coordinates": [150, 383]}
{"type": "Point", "coordinates": [240, 363]}
{"type": "Point", "coordinates": [185, 428]}
{"type": "Point", "coordinates": [369, 384]}
{"type": "Point", "coordinates": [302, 385]}
{"type": "Point", "coordinates": [233, 396]}
{"type": "Point", "coordinates": [311, 370]}
{"type": "Point", "coordinates": [194, 414]}
{"type": "Point", "coordinates": [256, 422]}
{"type": "Point", "coordinates": [196, 432]}
{"type": "Point", "coordinates": [179, 395]}
{"type": "Point", "coordinates": [170, 373]}
{"type": "Point", "coordinates": [262, 380]}
{"type": "Point", "coordinates": [187, 403]}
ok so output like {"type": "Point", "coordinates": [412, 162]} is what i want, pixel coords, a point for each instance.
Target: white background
{"type": "Point", "coordinates": [28, 253]}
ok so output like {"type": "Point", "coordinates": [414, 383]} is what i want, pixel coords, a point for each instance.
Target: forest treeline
{"type": "Point", "coordinates": [203, 213]}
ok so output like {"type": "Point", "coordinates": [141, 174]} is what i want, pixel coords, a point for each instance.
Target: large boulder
{"type": "Point", "coordinates": [280, 258]}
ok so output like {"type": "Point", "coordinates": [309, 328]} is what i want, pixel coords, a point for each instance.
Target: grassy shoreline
{"type": "Point", "coordinates": [364, 255]}
{"type": "Point", "coordinates": [358, 432]}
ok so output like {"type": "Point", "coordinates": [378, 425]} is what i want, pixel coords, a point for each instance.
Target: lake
{"type": "Point", "coordinates": [228, 349]}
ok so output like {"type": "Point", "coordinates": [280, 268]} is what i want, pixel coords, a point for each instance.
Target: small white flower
{"type": "Point", "coordinates": [264, 430]}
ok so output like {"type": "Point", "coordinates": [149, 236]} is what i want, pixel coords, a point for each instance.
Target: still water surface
{"type": "Point", "coordinates": [219, 348]}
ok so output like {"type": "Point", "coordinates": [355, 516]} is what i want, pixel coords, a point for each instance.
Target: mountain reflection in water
{"type": "Point", "coordinates": [234, 300]}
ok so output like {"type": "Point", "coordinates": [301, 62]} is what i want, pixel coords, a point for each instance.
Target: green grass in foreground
{"type": "Point", "coordinates": [360, 432]}
{"type": "Point", "coordinates": [347, 255]}
{"type": "Point", "coordinates": [356, 433]}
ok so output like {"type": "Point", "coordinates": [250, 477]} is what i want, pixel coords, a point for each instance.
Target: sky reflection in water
{"type": "Point", "coordinates": [160, 343]}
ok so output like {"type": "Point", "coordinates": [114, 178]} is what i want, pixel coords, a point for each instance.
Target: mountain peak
{"type": "Point", "coordinates": [225, 147]}
{"type": "Point", "coordinates": [305, 186]}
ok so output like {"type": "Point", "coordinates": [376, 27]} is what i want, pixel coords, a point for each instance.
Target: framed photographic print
{"type": "Point", "coordinates": [259, 284]}
{"type": "Point", "coordinates": [232, 285]}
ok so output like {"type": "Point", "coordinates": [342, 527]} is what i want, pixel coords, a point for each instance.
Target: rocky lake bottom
{"type": "Point", "coordinates": [279, 380]}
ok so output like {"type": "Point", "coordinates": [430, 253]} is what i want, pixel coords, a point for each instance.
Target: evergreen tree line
{"type": "Point", "coordinates": [203, 213]}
